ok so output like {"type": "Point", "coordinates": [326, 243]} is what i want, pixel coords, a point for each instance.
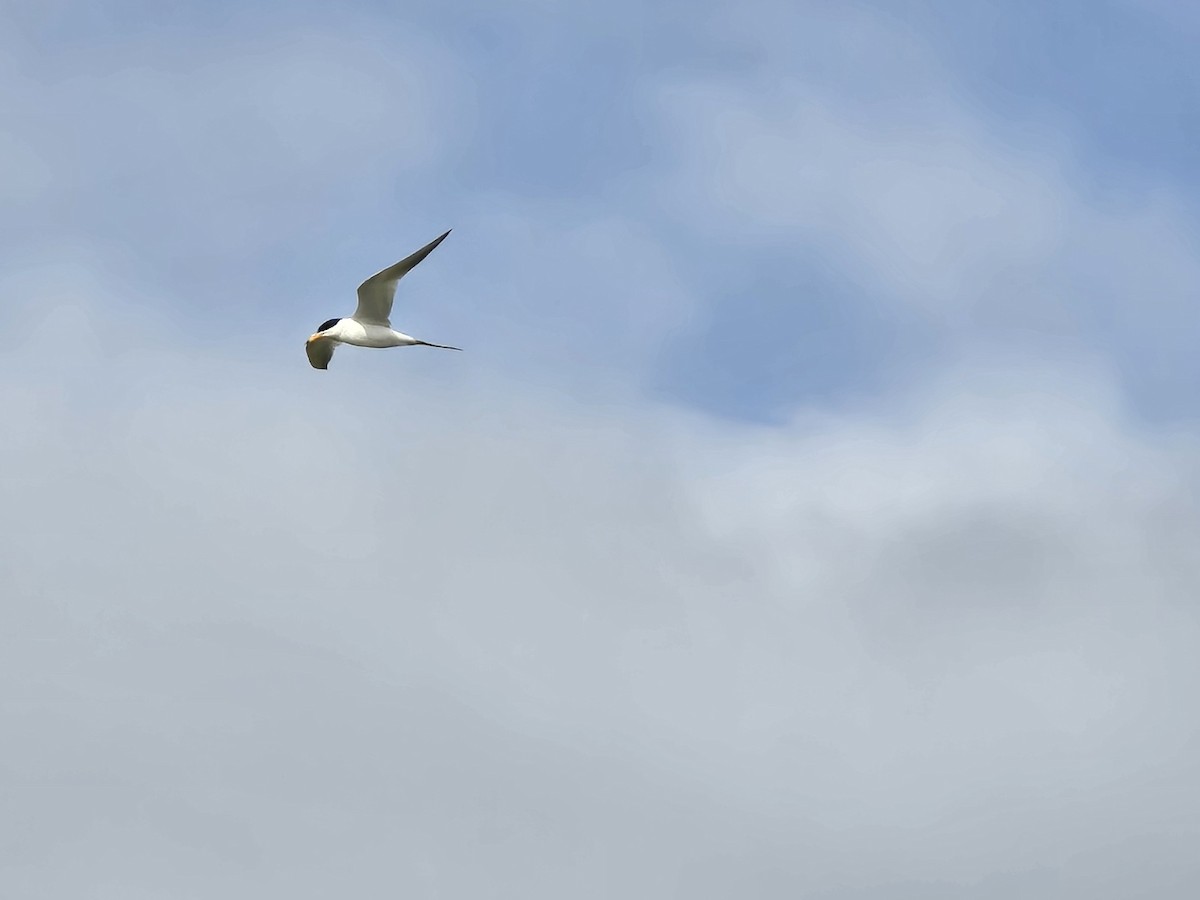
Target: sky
{"type": "Point", "coordinates": [812, 512]}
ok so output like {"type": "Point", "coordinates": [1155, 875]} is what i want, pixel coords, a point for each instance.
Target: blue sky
{"type": "Point", "coordinates": [569, 112]}
{"type": "Point", "coordinates": [812, 512]}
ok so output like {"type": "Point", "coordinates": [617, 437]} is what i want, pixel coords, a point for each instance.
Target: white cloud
{"type": "Point", "coordinates": [502, 644]}
{"type": "Point", "coordinates": [429, 625]}
{"type": "Point", "coordinates": [848, 135]}
{"type": "Point", "coordinates": [260, 175]}
{"type": "Point", "coordinates": [227, 143]}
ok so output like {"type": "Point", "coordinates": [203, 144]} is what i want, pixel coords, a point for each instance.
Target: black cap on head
{"type": "Point", "coordinates": [325, 326]}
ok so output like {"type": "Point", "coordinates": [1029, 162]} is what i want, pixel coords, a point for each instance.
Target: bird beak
{"type": "Point", "coordinates": [315, 337]}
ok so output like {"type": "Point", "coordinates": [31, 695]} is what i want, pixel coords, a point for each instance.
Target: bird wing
{"type": "Point", "coordinates": [376, 293]}
{"type": "Point", "coordinates": [320, 352]}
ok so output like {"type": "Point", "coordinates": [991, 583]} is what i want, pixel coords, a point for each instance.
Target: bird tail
{"type": "Point", "coordinates": [439, 346]}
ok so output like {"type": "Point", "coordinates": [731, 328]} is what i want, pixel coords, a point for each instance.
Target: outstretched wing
{"type": "Point", "coordinates": [320, 352]}
{"type": "Point", "coordinates": [376, 293]}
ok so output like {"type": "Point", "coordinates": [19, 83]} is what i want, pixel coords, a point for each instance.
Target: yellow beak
{"type": "Point", "coordinates": [315, 337]}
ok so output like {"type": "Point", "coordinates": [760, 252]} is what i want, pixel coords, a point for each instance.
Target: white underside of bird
{"type": "Point", "coordinates": [371, 326]}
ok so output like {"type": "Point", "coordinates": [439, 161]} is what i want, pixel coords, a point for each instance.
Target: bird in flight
{"type": "Point", "coordinates": [370, 326]}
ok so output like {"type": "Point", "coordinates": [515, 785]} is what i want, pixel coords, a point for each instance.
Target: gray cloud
{"type": "Point", "coordinates": [462, 627]}
{"type": "Point", "coordinates": [266, 642]}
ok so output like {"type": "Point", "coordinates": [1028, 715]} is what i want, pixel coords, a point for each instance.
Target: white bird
{"type": "Point", "coordinates": [370, 326]}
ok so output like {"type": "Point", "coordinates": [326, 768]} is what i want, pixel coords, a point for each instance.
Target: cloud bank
{"type": "Point", "coordinates": [512, 624]}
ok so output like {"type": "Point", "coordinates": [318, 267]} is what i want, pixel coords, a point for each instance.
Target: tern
{"type": "Point", "coordinates": [371, 326]}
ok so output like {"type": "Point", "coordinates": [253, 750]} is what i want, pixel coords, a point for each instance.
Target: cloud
{"type": "Point", "coordinates": [499, 625]}
{"type": "Point", "coordinates": [262, 637]}
{"type": "Point", "coordinates": [942, 217]}
{"type": "Point", "coordinates": [867, 152]}
{"type": "Point", "coordinates": [244, 182]}
{"type": "Point", "coordinates": [230, 143]}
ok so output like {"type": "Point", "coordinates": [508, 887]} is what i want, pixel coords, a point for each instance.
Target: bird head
{"type": "Point", "coordinates": [324, 329]}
